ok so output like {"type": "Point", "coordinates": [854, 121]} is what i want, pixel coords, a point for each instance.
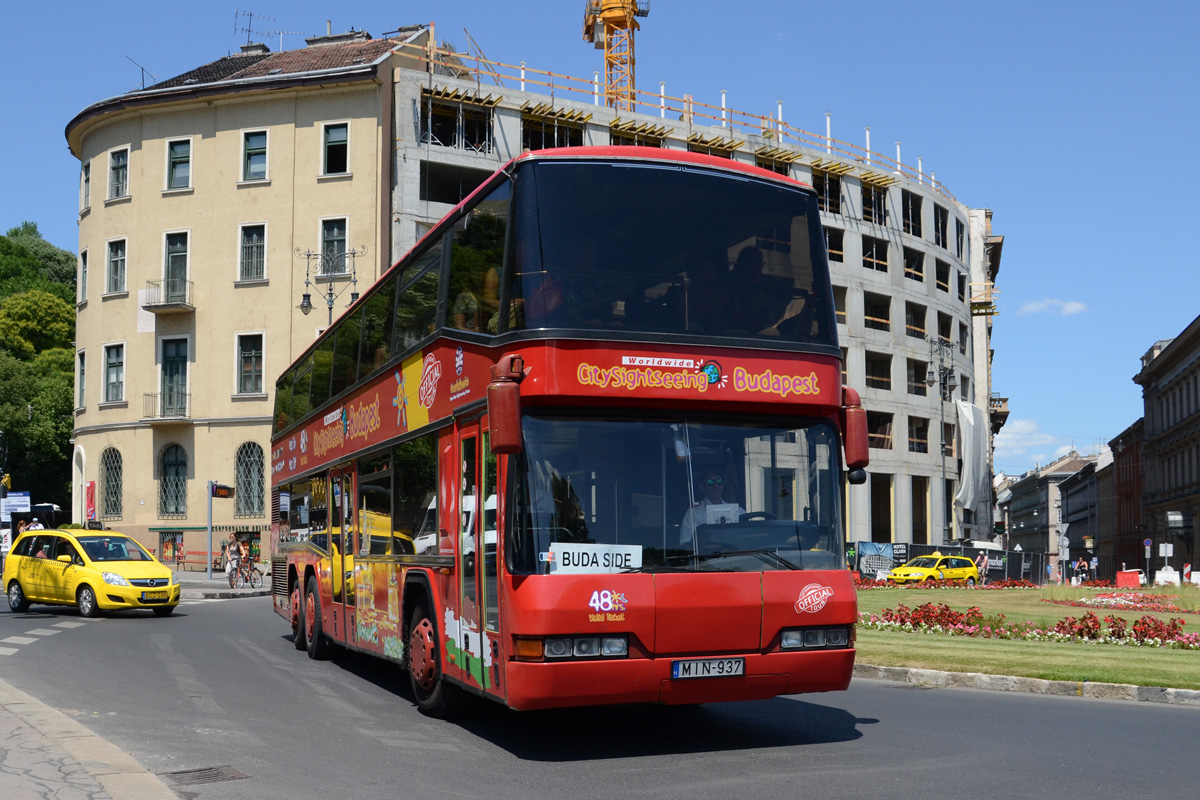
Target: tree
{"type": "Point", "coordinates": [35, 321]}
{"type": "Point", "coordinates": [54, 263]}
{"type": "Point", "coordinates": [20, 271]}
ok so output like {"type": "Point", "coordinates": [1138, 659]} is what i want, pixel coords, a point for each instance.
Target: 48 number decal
{"type": "Point", "coordinates": [605, 600]}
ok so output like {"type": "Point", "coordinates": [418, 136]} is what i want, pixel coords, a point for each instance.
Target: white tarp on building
{"type": "Point", "coordinates": [973, 486]}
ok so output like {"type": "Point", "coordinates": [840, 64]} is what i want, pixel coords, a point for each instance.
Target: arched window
{"type": "Point", "coordinates": [172, 482]}
{"type": "Point", "coordinates": [111, 478]}
{"type": "Point", "coordinates": [250, 472]}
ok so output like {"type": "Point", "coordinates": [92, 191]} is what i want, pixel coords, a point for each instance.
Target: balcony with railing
{"type": "Point", "coordinates": [167, 407]}
{"type": "Point", "coordinates": [998, 411]}
{"type": "Point", "coordinates": [168, 296]}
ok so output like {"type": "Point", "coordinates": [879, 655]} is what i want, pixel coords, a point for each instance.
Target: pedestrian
{"type": "Point", "coordinates": [981, 562]}
{"type": "Point", "coordinates": [36, 525]}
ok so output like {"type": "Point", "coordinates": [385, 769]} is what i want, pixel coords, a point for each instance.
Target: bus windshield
{"type": "Point", "coordinates": [684, 494]}
{"type": "Point", "coordinates": [650, 247]}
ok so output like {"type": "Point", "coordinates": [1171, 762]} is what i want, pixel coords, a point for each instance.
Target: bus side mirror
{"type": "Point", "coordinates": [854, 431]}
{"type": "Point", "coordinates": [504, 405]}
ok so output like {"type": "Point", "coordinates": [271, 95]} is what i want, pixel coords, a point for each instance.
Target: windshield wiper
{"type": "Point", "coordinates": [763, 552]}
{"type": "Point", "coordinates": [656, 568]}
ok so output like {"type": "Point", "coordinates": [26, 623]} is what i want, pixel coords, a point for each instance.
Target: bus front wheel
{"type": "Point", "coordinates": [298, 603]}
{"type": "Point", "coordinates": [318, 645]}
{"type": "Point", "coordinates": [434, 696]}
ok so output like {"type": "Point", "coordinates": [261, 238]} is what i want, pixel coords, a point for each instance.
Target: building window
{"type": "Point", "coordinates": [944, 323]}
{"type": "Point", "coordinates": [250, 363]}
{"type": "Point", "coordinates": [116, 266]}
{"type": "Point", "coordinates": [943, 275]}
{"type": "Point", "coordinates": [118, 173]}
{"type": "Point", "coordinates": [918, 372]}
{"type": "Point", "coordinates": [82, 385]}
{"type": "Point", "coordinates": [920, 510]}
{"type": "Point", "coordinates": [879, 430]}
{"type": "Point", "coordinates": [874, 204]}
{"type": "Point", "coordinates": [114, 373]}
{"type": "Point", "coordinates": [941, 219]}
{"type": "Point", "coordinates": [172, 483]}
{"type": "Point", "coordinates": [914, 264]}
{"type": "Point", "coordinates": [111, 479]}
{"type": "Point", "coordinates": [877, 311]}
{"type": "Point", "coordinates": [85, 191]}
{"type": "Point", "coordinates": [633, 139]}
{"type": "Point", "coordinates": [252, 260]}
{"type": "Point", "coordinates": [835, 243]}
{"type": "Point", "coordinates": [918, 435]}
{"type": "Point", "coordinates": [337, 149]}
{"type": "Point", "coordinates": [845, 371]}
{"type": "Point", "coordinates": [964, 387]}
{"type": "Point", "coordinates": [254, 158]}
{"type": "Point", "coordinates": [875, 253]}
{"type": "Point", "coordinates": [179, 164]}
{"type": "Point", "coordinates": [879, 371]}
{"type": "Point", "coordinates": [466, 126]}
{"type": "Point", "coordinates": [251, 484]}
{"type": "Point", "coordinates": [839, 303]}
{"type": "Point", "coordinates": [543, 133]}
{"type": "Point", "coordinates": [829, 191]}
{"type": "Point", "coordinates": [948, 440]}
{"type": "Point", "coordinates": [959, 231]}
{"type": "Point", "coordinates": [962, 338]}
{"type": "Point", "coordinates": [962, 288]}
{"type": "Point", "coordinates": [914, 320]}
{"type": "Point", "coordinates": [83, 276]}
{"type": "Point", "coordinates": [912, 212]}
{"type": "Point", "coordinates": [175, 268]}
{"type": "Point", "coordinates": [333, 246]}
{"type": "Point", "coordinates": [774, 165]}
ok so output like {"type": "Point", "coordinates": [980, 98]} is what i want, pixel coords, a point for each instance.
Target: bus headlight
{"type": "Point", "coordinates": [614, 646]}
{"type": "Point", "coordinates": [559, 648]}
{"type": "Point", "coordinates": [814, 638]}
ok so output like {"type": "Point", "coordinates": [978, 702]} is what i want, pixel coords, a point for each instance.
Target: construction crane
{"type": "Point", "coordinates": [610, 25]}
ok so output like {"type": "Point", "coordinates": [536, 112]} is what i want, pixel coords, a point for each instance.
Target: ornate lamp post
{"type": "Point", "coordinates": [943, 375]}
{"type": "Point", "coordinates": [331, 265]}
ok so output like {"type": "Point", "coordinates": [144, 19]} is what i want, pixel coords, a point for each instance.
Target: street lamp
{"type": "Point", "coordinates": [943, 376]}
{"type": "Point", "coordinates": [336, 263]}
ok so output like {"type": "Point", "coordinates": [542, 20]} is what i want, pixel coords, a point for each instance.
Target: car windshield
{"type": "Point", "coordinates": [113, 548]}
{"type": "Point", "coordinates": [682, 494]}
{"type": "Point", "coordinates": [925, 562]}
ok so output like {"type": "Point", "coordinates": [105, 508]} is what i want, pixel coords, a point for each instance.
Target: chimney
{"type": "Point", "coordinates": [338, 38]}
{"type": "Point", "coordinates": [255, 49]}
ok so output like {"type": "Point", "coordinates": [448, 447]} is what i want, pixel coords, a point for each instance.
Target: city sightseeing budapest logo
{"type": "Point", "coordinates": [813, 598]}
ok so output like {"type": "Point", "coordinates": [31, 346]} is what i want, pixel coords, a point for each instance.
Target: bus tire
{"type": "Point", "coordinates": [318, 646]}
{"type": "Point", "coordinates": [435, 698]}
{"type": "Point", "coordinates": [298, 639]}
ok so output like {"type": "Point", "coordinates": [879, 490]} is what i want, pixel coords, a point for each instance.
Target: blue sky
{"type": "Point", "coordinates": [1072, 123]}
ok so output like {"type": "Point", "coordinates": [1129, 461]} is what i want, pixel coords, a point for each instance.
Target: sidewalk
{"type": "Point", "coordinates": [197, 585]}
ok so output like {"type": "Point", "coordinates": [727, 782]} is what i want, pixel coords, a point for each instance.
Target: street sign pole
{"type": "Point", "coordinates": [208, 561]}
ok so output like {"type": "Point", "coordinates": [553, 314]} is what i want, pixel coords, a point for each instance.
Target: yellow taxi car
{"type": "Point", "coordinates": [94, 570]}
{"type": "Point", "coordinates": [936, 567]}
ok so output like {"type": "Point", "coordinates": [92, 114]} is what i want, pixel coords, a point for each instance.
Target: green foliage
{"type": "Point", "coordinates": [35, 321]}
{"type": "Point", "coordinates": [37, 362]}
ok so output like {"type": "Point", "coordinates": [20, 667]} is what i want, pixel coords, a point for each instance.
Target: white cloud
{"type": "Point", "coordinates": [1064, 307]}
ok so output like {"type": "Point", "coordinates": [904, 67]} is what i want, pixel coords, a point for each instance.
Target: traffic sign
{"type": "Point", "coordinates": [1148, 542]}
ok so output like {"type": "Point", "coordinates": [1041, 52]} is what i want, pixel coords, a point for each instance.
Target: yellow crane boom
{"type": "Point", "coordinates": [610, 25]}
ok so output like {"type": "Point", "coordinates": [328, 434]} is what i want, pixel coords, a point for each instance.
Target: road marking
{"type": "Point", "coordinates": [19, 640]}
{"type": "Point", "coordinates": [69, 624]}
{"type": "Point", "coordinates": [42, 632]}
{"type": "Point", "coordinates": [8, 651]}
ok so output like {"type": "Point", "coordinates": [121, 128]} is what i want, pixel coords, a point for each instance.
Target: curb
{"type": "Point", "coordinates": [221, 594]}
{"type": "Point", "coordinates": [1004, 683]}
{"type": "Point", "coordinates": [120, 775]}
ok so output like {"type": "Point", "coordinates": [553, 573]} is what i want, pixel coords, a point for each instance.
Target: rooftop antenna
{"type": "Point", "coordinates": [272, 32]}
{"type": "Point", "coordinates": [248, 26]}
{"type": "Point", "coordinates": [145, 72]}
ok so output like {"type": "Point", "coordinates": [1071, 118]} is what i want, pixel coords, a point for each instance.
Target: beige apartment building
{"type": "Point", "coordinates": [198, 195]}
{"type": "Point", "coordinates": [206, 201]}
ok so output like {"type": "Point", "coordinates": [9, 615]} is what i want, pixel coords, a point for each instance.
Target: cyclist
{"type": "Point", "coordinates": [233, 558]}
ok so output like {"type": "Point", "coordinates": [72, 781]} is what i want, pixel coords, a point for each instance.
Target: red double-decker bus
{"type": "Point", "coordinates": [582, 445]}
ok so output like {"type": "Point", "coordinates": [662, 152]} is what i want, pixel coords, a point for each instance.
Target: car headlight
{"type": "Point", "coordinates": [113, 579]}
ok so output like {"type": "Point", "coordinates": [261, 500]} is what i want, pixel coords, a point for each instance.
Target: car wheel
{"type": "Point", "coordinates": [318, 646]}
{"type": "Point", "coordinates": [86, 599]}
{"type": "Point", "coordinates": [970, 583]}
{"type": "Point", "coordinates": [298, 638]}
{"type": "Point", "coordinates": [16, 598]}
{"type": "Point", "coordinates": [434, 696]}
{"type": "Point", "coordinates": [163, 611]}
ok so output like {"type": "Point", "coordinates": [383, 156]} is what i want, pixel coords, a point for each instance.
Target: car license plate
{"type": "Point", "coordinates": [708, 668]}
{"type": "Point", "coordinates": [154, 595]}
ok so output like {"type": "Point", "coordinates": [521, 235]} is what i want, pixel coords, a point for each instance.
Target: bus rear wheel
{"type": "Point", "coordinates": [298, 603]}
{"type": "Point", "coordinates": [318, 646]}
{"type": "Point", "coordinates": [434, 696]}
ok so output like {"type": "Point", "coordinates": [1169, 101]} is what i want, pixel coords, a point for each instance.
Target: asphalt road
{"type": "Point", "coordinates": [219, 685]}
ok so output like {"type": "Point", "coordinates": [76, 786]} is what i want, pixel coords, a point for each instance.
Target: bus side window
{"type": "Point", "coordinates": [476, 260]}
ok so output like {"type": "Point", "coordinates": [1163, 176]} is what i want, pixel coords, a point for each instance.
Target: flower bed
{"type": "Point", "coordinates": [1149, 631]}
{"type": "Point", "coordinates": [1126, 601]}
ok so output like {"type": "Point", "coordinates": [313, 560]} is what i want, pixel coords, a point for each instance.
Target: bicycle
{"type": "Point", "coordinates": [245, 573]}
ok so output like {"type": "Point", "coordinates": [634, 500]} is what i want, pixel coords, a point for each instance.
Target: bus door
{"type": "Point", "coordinates": [478, 643]}
{"type": "Point", "coordinates": [343, 544]}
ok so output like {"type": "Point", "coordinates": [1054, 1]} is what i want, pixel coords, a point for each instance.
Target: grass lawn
{"type": "Point", "coordinates": [1143, 666]}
